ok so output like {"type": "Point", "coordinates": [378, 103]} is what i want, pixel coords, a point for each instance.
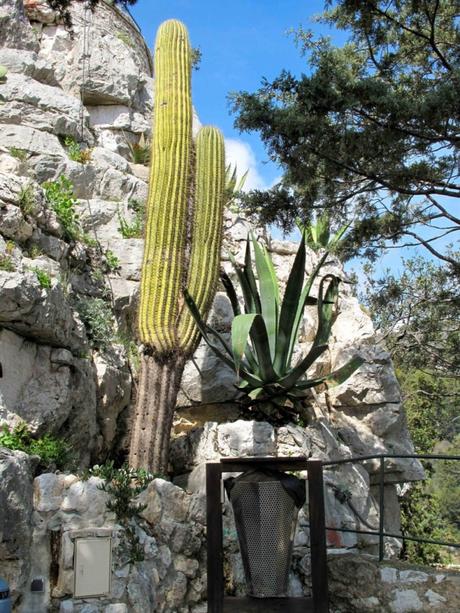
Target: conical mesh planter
{"type": "Point", "coordinates": [266, 504]}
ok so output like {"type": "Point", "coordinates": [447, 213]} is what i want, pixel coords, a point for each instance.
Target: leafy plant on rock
{"type": "Point", "coordinates": [42, 277]}
{"type": "Point", "coordinates": [135, 227]}
{"type": "Point", "coordinates": [264, 336]}
{"type": "Point", "coordinates": [140, 151]}
{"type": "Point", "coordinates": [123, 485]}
{"type": "Point", "coordinates": [98, 319]}
{"type": "Point", "coordinates": [53, 452]}
{"type": "Point", "coordinates": [75, 151]}
{"type": "Point", "coordinates": [6, 263]}
{"type": "Point", "coordinates": [62, 200]}
{"type": "Point", "coordinates": [26, 200]}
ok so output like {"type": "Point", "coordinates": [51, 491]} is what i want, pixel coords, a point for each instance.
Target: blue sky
{"type": "Point", "coordinates": [242, 41]}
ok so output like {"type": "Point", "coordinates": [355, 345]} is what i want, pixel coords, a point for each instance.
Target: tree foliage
{"type": "Point", "coordinates": [372, 130]}
{"type": "Point", "coordinates": [417, 316]}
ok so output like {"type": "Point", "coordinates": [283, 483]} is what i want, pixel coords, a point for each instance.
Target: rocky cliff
{"type": "Point", "coordinates": [74, 113]}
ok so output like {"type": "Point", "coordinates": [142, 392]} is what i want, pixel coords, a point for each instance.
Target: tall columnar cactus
{"type": "Point", "coordinates": [182, 244]}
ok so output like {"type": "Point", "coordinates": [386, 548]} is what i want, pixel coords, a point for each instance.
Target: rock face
{"type": "Point", "coordinates": [52, 377]}
{"type": "Point", "coordinates": [73, 108]}
{"type": "Point", "coordinates": [15, 519]}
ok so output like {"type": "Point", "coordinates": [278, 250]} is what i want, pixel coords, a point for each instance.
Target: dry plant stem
{"type": "Point", "coordinates": [153, 420]}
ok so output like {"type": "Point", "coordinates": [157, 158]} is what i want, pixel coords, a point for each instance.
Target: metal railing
{"type": "Point", "coordinates": [381, 483]}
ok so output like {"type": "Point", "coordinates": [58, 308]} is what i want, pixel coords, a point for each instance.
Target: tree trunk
{"type": "Point", "coordinates": [159, 384]}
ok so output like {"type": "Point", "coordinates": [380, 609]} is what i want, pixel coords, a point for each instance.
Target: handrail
{"type": "Point", "coordinates": [381, 532]}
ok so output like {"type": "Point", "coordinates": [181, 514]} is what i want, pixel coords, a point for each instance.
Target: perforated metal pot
{"type": "Point", "coordinates": [266, 505]}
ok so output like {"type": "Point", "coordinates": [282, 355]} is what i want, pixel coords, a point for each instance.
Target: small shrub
{"type": "Point", "coordinates": [6, 263]}
{"type": "Point", "coordinates": [62, 201]}
{"type": "Point", "coordinates": [42, 277]}
{"type": "Point", "coordinates": [75, 152]}
{"type": "Point", "coordinates": [51, 450]}
{"type": "Point", "coordinates": [111, 261]}
{"type": "Point", "coordinates": [26, 200]}
{"type": "Point", "coordinates": [123, 485]}
{"type": "Point", "coordinates": [88, 240]}
{"type": "Point", "coordinates": [98, 319]}
{"type": "Point", "coordinates": [133, 229]}
{"type": "Point", "coordinates": [20, 154]}
{"type": "Point", "coordinates": [34, 252]}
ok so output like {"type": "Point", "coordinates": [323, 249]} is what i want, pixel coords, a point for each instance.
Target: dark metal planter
{"type": "Point", "coordinates": [266, 504]}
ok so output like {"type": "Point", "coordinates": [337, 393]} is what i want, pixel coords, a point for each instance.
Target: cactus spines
{"type": "Point", "coordinates": [203, 265]}
{"type": "Point", "coordinates": [182, 245]}
{"type": "Point", "coordinates": [165, 235]}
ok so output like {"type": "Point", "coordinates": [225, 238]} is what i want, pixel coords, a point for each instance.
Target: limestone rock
{"type": "Point", "coordinates": [16, 470]}
{"type": "Point", "coordinates": [49, 389]}
{"type": "Point", "coordinates": [15, 29]}
{"type": "Point", "coordinates": [42, 107]}
{"type": "Point", "coordinates": [113, 390]}
{"type": "Point", "coordinates": [30, 139]}
{"type": "Point", "coordinates": [41, 314]}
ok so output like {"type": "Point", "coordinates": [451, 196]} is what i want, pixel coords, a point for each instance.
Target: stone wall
{"type": "Point", "coordinates": [172, 576]}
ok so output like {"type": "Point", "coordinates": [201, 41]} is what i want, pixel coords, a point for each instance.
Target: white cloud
{"type": "Point", "coordinates": [239, 153]}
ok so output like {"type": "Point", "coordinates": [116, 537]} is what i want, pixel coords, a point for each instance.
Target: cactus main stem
{"type": "Point", "coordinates": [159, 380]}
{"type": "Point", "coordinates": [183, 235]}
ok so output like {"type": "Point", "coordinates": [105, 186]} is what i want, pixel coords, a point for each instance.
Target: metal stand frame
{"type": "Point", "coordinates": [215, 561]}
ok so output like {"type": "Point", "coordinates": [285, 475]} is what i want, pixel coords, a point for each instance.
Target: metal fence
{"type": "Point", "coordinates": [381, 483]}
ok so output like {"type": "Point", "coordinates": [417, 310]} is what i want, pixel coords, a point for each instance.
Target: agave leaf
{"type": "Point", "coordinates": [254, 325]}
{"type": "Point", "coordinates": [249, 301]}
{"type": "Point", "coordinates": [323, 231]}
{"type": "Point", "coordinates": [268, 288]}
{"type": "Point", "coordinates": [325, 308]}
{"type": "Point", "coordinates": [336, 377]}
{"type": "Point", "coordinates": [251, 280]}
{"type": "Point", "coordinates": [204, 329]}
{"type": "Point", "coordinates": [338, 235]}
{"type": "Point", "coordinates": [305, 299]}
{"type": "Point", "coordinates": [255, 393]}
{"type": "Point", "coordinates": [231, 293]}
{"type": "Point", "coordinates": [302, 366]}
{"type": "Point", "coordinates": [290, 307]}
{"type": "Point", "coordinates": [241, 326]}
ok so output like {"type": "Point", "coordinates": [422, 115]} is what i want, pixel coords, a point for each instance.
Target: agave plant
{"type": "Point", "coordinates": [318, 235]}
{"type": "Point", "coordinates": [264, 335]}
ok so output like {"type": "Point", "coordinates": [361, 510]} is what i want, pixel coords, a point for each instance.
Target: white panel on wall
{"type": "Point", "coordinates": [92, 567]}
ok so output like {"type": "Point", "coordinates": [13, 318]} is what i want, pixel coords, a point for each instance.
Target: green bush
{"type": "Point", "coordinates": [43, 277]}
{"type": "Point", "coordinates": [98, 319]}
{"type": "Point", "coordinates": [20, 154]}
{"type": "Point", "coordinates": [111, 261]}
{"type": "Point", "coordinates": [123, 485]}
{"type": "Point", "coordinates": [26, 200]}
{"type": "Point", "coordinates": [53, 452]}
{"type": "Point", "coordinates": [62, 201]}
